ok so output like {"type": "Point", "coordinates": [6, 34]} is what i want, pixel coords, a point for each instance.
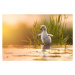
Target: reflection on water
{"type": "Point", "coordinates": [46, 53]}
{"type": "Point", "coordinates": [44, 48]}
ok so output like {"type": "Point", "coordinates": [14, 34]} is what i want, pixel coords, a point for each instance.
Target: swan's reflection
{"type": "Point", "coordinates": [44, 48]}
{"type": "Point", "coordinates": [43, 52]}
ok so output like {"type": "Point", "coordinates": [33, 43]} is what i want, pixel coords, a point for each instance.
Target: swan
{"type": "Point", "coordinates": [45, 37]}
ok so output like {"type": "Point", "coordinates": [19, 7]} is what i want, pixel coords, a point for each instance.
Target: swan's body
{"type": "Point", "coordinates": [46, 38]}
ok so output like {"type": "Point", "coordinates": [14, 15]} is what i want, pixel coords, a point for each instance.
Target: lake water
{"type": "Point", "coordinates": [40, 53]}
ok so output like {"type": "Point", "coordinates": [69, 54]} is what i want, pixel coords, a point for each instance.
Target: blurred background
{"type": "Point", "coordinates": [17, 29]}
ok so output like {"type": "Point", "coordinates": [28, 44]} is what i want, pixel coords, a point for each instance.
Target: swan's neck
{"type": "Point", "coordinates": [44, 31]}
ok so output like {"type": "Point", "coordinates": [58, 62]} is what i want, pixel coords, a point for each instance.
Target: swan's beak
{"type": "Point", "coordinates": [41, 29]}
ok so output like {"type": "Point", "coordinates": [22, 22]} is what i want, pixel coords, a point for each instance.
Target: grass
{"type": "Point", "coordinates": [62, 34]}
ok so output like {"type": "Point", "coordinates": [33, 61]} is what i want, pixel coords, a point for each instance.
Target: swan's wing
{"type": "Point", "coordinates": [39, 34]}
{"type": "Point", "coordinates": [49, 34]}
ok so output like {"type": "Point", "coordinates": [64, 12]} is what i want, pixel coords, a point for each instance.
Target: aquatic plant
{"type": "Point", "coordinates": [54, 27]}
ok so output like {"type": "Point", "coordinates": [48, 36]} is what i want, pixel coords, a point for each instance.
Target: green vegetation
{"type": "Point", "coordinates": [62, 35]}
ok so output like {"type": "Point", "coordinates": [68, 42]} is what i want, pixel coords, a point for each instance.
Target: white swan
{"type": "Point", "coordinates": [46, 38]}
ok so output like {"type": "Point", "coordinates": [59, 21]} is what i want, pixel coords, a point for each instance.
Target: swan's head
{"type": "Point", "coordinates": [43, 27]}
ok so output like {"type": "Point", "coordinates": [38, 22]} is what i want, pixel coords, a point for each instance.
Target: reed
{"type": "Point", "coordinates": [62, 35]}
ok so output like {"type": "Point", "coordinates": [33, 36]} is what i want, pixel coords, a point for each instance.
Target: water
{"type": "Point", "coordinates": [40, 53]}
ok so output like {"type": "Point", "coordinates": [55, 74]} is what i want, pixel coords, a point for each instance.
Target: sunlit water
{"type": "Point", "coordinates": [40, 53]}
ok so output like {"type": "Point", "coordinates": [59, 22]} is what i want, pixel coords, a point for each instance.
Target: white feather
{"type": "Point", "coordinates": [46, 38]}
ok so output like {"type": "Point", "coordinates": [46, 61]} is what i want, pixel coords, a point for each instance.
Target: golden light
{"type": "Point", "coordinates": [15, 20]}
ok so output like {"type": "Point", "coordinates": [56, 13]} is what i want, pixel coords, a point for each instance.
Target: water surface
{"type": "Point", "coordinates": [40, 53]}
